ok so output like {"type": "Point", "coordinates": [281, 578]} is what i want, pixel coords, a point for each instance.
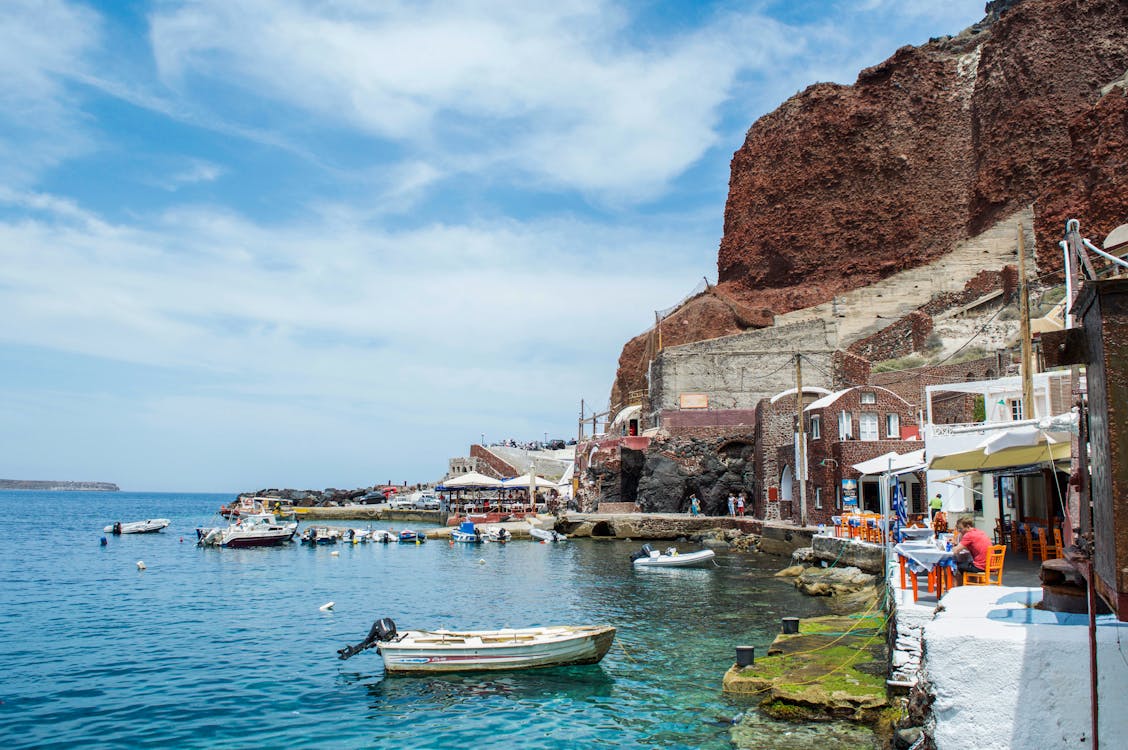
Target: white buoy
{"type": "Point", "coordinates": [140, 564]}
{"type": "Point", "coordinates": [481, 561]}
{"type": "Point", "coordinates": [334, 553]}
{"type": "Point", "coordinates": [327, 606]}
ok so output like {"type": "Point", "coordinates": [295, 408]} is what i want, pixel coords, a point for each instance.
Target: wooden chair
{"type": "Point", "coordinates": [1003, 531]}
{"type": "Point", "coordinates": [838, 530]}
{"type": "Point", "coordinates": [1051, 550]}
{"type": "Point", "coordinates": [993, 574]}
{"type": "Point", "coordinates": [1033, 542]}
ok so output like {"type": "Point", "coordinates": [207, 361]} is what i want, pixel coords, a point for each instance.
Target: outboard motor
{"type": "Point", "coordinates": [383, 629]}
{"type": "Point", "coordinates": [644, 552]}
{"type": "Point", "coordinates": [117, 528]}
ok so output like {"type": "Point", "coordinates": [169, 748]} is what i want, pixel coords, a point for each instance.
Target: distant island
{"type": "Point", "coordinates": [45, 486]}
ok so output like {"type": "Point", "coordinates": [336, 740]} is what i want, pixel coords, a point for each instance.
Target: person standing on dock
{"type": "Point", "coordinates": [732, 505]}
{"type": "Point", "coordinates": [740, 505]}
{"type": "Point", "coordinates": [694, 505]}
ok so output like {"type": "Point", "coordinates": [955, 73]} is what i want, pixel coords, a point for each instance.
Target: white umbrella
{"type": "Point", "coordinates": [527, 480]}
{"type": "Point", "coordinates": [472, 480]}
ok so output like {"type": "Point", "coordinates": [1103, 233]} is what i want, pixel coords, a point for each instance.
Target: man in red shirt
{"type": "Point", "coordinates": [971, 552]}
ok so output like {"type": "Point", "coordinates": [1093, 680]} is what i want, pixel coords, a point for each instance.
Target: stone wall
{"type": "Point", "coordinates": [736, 372]}
{"type": "Point", "coordinates": [490, 464]}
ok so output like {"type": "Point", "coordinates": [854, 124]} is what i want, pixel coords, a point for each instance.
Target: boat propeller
{"type": "Point", "coordinates": [383, 629]}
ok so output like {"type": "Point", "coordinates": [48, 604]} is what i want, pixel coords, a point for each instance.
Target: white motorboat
{"type": "Point", "coordinates": [671, 558]}
{"type": "Point", "coordinates": [498, 534]}
{"type": "Point", "coordinates": [416, 651]}
{"type": "Point", "coordinates": [467, 533]}
{"type": "Point", "coordinates": [148, 526]}
{"type": "Point", "coordinates": [546, 535]}
{"type": "Point", "coordinates": [257, 530]}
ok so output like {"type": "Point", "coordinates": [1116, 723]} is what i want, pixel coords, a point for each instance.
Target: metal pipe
{"type": "Point", "coordinates": [1103, 254]}
{"type": "Point", "coordinates": [1068, 284]}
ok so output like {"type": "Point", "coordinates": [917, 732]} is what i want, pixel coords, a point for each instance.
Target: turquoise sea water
{"type": "Point", "coordinates": [228, 648]}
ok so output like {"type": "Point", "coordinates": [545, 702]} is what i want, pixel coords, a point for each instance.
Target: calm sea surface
{"type": "Point", "coordinates": [228, 648]}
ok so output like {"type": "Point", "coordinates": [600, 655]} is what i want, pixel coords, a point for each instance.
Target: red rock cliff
{"type": "Point", "coordinates": [844, 185]}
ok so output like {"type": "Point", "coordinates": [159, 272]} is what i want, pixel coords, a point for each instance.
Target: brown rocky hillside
{"type": "Point", "coordinates": [842, 186]}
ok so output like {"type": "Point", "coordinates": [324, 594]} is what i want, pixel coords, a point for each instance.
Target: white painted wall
{"type": "Point", "coordinates": [1005, 675]}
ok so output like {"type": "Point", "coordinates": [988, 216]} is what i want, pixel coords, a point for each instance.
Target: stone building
{"type": "Point", "coordinates": [842, 429]}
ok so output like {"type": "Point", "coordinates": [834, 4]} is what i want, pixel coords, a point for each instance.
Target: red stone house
{"type": "Point", "coordinates": [843, 428]}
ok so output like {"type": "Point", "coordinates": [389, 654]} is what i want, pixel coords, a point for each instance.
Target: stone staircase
{"type": "Point", "coordinates": [862, 312]}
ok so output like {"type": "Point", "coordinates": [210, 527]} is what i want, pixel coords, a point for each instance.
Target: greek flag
{"type": "Point", "coordinates": [899, 509]}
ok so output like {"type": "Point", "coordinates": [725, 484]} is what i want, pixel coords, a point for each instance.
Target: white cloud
{"type": "Point", "coordinates": [41, 44]}
{"type": "Point", "coordinates": [560, 93]}
{"type": "Point", "coordinates": [488, 309]}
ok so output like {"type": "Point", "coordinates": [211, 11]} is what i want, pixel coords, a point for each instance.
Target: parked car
{"type": "Point", "coordinates": [415, 501]}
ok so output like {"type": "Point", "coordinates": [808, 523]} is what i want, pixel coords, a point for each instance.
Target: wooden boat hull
{"type": "Point", "coordinates": [422, 652]}
{"type": "Point", "coordinates": [702, 558]}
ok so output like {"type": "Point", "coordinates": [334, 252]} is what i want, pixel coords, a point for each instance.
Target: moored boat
{"type": "Point", "coordinates": [671, 558]}
{"type": "Point", "coordinates": [148, 526]}
{"type": "Point", "coordinates": [546, 535]}
{"type": "Point", "coordinates": [466, 533]}
{"type": "Point", "coordinates": [321, 535]}
{"type": "Point", "coordinates": [416, 651]}
{"type": "Point", "coordinates": [407, 536]}
{"type": "Point", "coordinates": [497, 534]}
{"type": "Point", "coordinates": [257, 530]}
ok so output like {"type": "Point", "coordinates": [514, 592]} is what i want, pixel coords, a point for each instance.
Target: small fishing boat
{"type": "Point", "coordinates": [407, 536]}
{"type": "Point", "coordinates": [382, 535]}
{"type": "Point", "coordinates": [546, 535]}
{"type": "Point", "coordinates": [466, 533]}
{"type": "Point", "coordinates": [671, 558]}
{"type": "Point", "coordinates": [257, 530]}
{"type": "Point", "coordinates": [321, 535]}
{"type": "Point", "coordinates": [496, 534]}
{"type": "Point", "coordinates": [149, 526]}
{"type": "Point", "coordinates": [416, 651]}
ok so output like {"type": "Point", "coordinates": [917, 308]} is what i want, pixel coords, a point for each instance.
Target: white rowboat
{"type": "Point", "coordinates": [420, 651]}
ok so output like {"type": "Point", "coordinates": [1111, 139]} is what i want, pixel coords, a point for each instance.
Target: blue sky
{"type": "Point", "coordinates": [287, 243]}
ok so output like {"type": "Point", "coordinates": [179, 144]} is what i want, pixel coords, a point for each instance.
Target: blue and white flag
{"type": "Point", "coordinates": [899, 509]}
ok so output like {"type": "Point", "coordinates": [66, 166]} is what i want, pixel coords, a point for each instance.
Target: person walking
{"type": "Point", "coordinates": [694, 505]}
{"type": "Point", "coordinates": [934, 505]}
{"type": "Point", "coordinates": [732, 505]}
{"type": "Point", "coordinates": [740, 505]}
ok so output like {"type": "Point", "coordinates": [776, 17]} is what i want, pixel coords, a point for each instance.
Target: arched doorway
{"type": "Point", "coordinates": [785, 482]}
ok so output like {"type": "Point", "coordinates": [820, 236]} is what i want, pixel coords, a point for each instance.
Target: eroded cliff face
{"type": "Point", "coordinates": [844, 185]}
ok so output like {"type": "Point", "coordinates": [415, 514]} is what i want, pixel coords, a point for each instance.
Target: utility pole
{"type": "Point", "coordinates": [1024, 331]}
{"type": "Point", "coordinates": [580, 436]}
{"type": "Point", "coordinates": [801, 469]}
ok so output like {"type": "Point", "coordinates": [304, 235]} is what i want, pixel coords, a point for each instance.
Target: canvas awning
{"type": "Point", "coordinates": [524, 480]}
{"type": "Point", "coordinates": [471, 480]}
{"type": "Point", "coordinates": [895, 463]}
{"type": "Point", "coordinates": [1019, 446]}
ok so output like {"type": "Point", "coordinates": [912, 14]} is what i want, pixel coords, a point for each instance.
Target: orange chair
{"type": "Point", "coordinates": [1050, 550]}
{"type": "Point", "coordinates": [993, 574]}
{"type": "Point", "coordinates": [1033, 542]}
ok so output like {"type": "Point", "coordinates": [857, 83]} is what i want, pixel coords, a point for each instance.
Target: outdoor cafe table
{"type": "Point", "coordinates": [915, 533]}
{"type": "Point", "coordinates": [923, 556]}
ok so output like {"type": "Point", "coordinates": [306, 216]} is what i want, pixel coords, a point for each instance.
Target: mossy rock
{"type": "Point", "coordinates": [835, 668]}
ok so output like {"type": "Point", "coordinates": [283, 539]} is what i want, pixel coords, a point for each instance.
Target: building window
{"type": "Point", "coordinates": [816, 427]}
{"type": "Point", "coordinates": [818, 498]}
{"type": "Point", "coordinates": [867, 426]}
{"type": "Point", "coordinates": [893, 426]}
{"type": "Point", "coordinates": [845, 425]}
{"type": "Point", "coordinates": [1016, 409]}
{"type": "Point", "coordinates": [869, 398]}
